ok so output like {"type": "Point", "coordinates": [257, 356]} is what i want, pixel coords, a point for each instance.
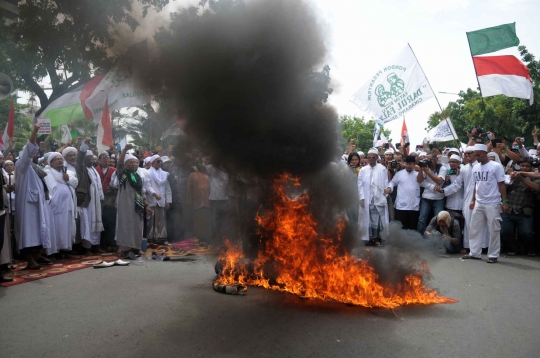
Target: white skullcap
{"type": "Point", "coordinates": [453, 150]}
{"type": "Point", "coordinates": [89, 153]}
{"type": "Point", "coordinates": [455, 157]}
{"type": "Point", "coordinates": [104, 152]}
{"type": "Point", "coordinates": [361, 153]}
{"type": "Point", "coordinates": [40, 159]}
{"type": "Point", "coordinates": [389, 151]}
{"type": "Point", "coordinates": [154, 157]}
{"type": "Point", "coordinates": [481, 147]}
{"type": "Point", "coordinates": [166, 159]}
{"type": "Point", "coordinates": [373, 151]}
{"type": "Point", "coordinates": [8, 162]}
{"type": "Point", "coordinates": [113, 155]}
{"type": "Point", "coordinates": [69, 150]}
{"type": "Point", "coordinates": [54, 155]}
{"type": "Point", "coordinates": [47, 155]}
{"type": "Point", "coordinates": [469, 149]}
{"type": "Point", "coordinates": [145, 161]}
{"type": "Point", "coordinates": [128, 157]}
{"type": "Point", "coordinates": [533, 152]}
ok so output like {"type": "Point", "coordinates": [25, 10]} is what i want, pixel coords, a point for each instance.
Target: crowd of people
{"type": "Point", "coordinates": [75, 201]}
{"type": "Point", "coordinates": [474, 200]}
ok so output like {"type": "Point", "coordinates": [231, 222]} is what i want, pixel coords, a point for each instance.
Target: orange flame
{"type": "Point", "coordinates": [295, 259]}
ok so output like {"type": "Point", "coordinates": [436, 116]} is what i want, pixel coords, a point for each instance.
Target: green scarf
{"type": "Point", "coordinates": [136, 183]}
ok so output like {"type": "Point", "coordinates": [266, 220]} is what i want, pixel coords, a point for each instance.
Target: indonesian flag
{"type": "Point", "coordinates": [10, 128]}
{"type": "Point", "coordinates": [404, 133]}
{"type": "Point", "coordinates": [503, 75]}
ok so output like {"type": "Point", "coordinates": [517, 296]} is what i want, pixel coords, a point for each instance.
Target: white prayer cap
{"type": "Point", "coordinates": [89, 153]}
{"type": "Point", "coordinates": [145, 161]}
{"type": "Point", "coordinates": [8, 162]}
{"type": "Point", "coordinates": [40, 160]}
{"type": "Point", "coordinates": [453, 150]}
{"type": "Point", "coordinates": [480, 147]}
{"type": "Point", "coordinates": [54, 155]}
{"type": "Point", "coordinates": [456, 157]}
{"type": "Point", "coordinates": [469, 149]}
{"type": "Point", "coordinates": [361, 153]}
{"type": "Point", "coordinates": [128, 157]}
{"type": "Point", "coordinates": [113, 156]}
{"type": "Point", "coordinates": [47, 155]}
{"type": "Point", "coordinates": [154, 157]}
{"type": "Point", "coordinates": [103, 153]}
{"type": "Point", "coordinates": [389, 151]}
{"type": "Point", "coordinates": [373, 151]}
{"type": "Point", "coordinates": [166, 159]}
{"type": "Point", "coordinates": [533, 152]}
{"type": "Point", "coordinates": [69, 150]}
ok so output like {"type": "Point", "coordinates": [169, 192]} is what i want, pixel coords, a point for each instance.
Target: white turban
{"type": "Point", "coordinates": [373, 151]}
{"type": "Point", "coordinates": [480, 147]}
{"type": "Point", "coordinates": [154, 157]}
{"type": "Point", "coordinates": [128, 157]}
{"type": "Point", "coordinates": [69, 150]}
{"type": "Point", "coordinates": [456, 157]}
{"type": "Point", "coordinates": [54, 155]}
{"type": "Point", "coordinates": [469, 149]}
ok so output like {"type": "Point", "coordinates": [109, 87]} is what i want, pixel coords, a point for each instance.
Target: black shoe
{"type": "Point", "coordinates": [5, 279]}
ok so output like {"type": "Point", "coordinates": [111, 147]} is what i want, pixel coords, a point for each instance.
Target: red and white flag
{"type": "Point", "coordinates": [404, 133]}
{"type": "Point", "coordinates": [503, 75]}
{"type": "Point", "coordinates": [10, 128]}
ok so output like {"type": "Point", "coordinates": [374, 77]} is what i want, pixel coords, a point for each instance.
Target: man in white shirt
{"type": "Point", "coordinates": [432, 201]}
{"type": "Point", "coordinates": [219, 200]}
{"type": "Point", "coordinates": [452, 187]}
{"type": "Point", "coordinates": [486, 205]}
{"type": "Point", "coordinates": [407, 203]}
{"type": "Point", "coordinates": [372, 182]}
{"type": "Point", "coordinates": [159, 196]}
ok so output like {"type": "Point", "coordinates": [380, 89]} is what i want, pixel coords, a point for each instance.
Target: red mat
{"type": "Point", "coordinates": [21, 275]}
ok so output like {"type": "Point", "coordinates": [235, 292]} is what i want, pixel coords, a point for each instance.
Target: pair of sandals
{"type": "Point", "coordinates": [118, 262]}
{"type": "Point", "coordinates": [491, 260]}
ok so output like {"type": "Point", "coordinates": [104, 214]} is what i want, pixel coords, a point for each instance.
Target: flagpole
{"type": "Point", "coordinates": [440, 107]}
{"type": "Point", "coordinates": [476, 73]}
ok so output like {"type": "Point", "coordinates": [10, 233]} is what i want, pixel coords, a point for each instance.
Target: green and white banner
{"type": "Point", "coordinates": [394, 89]}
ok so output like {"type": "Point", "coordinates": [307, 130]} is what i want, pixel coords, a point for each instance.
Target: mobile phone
{"type": "Point", "coordinates": [419, 146]}
{"type": "Point", "coordinates": [495, 141]}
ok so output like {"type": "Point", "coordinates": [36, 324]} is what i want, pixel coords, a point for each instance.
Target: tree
{"type": "Point", "coordinates": [361, 131]}
{"type": "Point", "coordinates": [507, 117]}
{"type": "Point", "coordinates": [65, 40]}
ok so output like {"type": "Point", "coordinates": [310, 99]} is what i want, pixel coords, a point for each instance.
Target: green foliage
{"type": "Point", "coordinates": [361, 131]}
{"type": "Point", "coordinates": [507, 117]}
{"type": "Point", "coordinates": [66, 40]}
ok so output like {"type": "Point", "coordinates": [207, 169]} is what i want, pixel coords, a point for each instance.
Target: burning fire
{"type": "Point", "coordinates": [296, 259]}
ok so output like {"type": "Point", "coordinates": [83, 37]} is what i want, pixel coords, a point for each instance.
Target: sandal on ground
{"type": "Point", "coordinates": [492, 260]}
{"type": "Point", "coordinates": [469, 257]}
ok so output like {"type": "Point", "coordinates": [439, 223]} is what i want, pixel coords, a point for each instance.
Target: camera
{"type": "Point", "coordinates": [398, 145]}
{"type": "Point", "coordinates": [480, 133]}
{"type": "Point", "coordinates": [516, 167]}
{"type": "Point", "coordinates": [424, 163]}
{"type": "Point", "coordinates": [386, 146]}
{"type": "Point", "coordinates": [451, 172]}
{"type": "Point", "coordinates": [406, 145]}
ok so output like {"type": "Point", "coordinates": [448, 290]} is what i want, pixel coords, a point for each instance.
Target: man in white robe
{"type": "Point", "coordinates": [89, 197]}
{"type": "Point", "coordinates": [372, 182]}
{"type": "Point", "coordinates": [159, 197]}
{"type": "Point", "coordinates": [70, 156]}
{"type": "Point", "coordinates": [32, 218]}
{"type": "Point", "coordinates": [62, 204]}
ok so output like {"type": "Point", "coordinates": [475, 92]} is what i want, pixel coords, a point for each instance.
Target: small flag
{"type": "Point", "coordinates": [404, 133]}
{"type": "Point", "coordinates": [503, 75]}
{"type": "Point", "coordinates": [492, 39]}
{"type": "Point", "coordinates": [443, 132]}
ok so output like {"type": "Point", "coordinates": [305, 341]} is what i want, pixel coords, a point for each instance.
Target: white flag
{"type": "Point", "coordinates": [394, 89]}
{"type": "Point", "coordinates": [376, 132]}
{"type": "Point", "coordinates": [443, 132]}
{"type": "Point", "coordinates": [122, 84]}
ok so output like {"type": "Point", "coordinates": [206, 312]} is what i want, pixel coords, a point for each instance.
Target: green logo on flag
{"type": "Point", "coordinates": [397, 86]}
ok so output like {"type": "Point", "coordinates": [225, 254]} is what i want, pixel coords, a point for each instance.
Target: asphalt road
{"type": "Point", "coordinates": [166, 309]}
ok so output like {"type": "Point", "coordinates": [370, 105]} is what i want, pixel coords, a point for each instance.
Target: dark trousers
{"type": "Point", "coordinates": [524, 224]}
{"type": "Point", "coordinates": [218, 209]}
{"type": "Point", "coordinates": [408, 218]}
{"type": "Point", "coordinates": [428, 209]}
{"type": "Point", "coordinates": [108, 217]}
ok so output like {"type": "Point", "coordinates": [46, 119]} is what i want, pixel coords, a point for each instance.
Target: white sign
{"type": "Point", "coordinates": [394, 89]}
{"type": "Point", "coordinates": [45, 126]}
{"type": "Point", "coordinates": [443, 132]}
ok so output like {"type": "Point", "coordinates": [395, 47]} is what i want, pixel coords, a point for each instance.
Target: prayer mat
{"type": "Point", "coordinates": [182, 248]}
{"type": "Point", "coordinates": [21, 275]}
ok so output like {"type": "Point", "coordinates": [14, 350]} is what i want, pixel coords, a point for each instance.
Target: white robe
{"type": "Point", "coordinates": [468, 191]}
{"type": "Point", "coordinates": [372, 189]}
{"type": "Point", "coordinates": [32, 218]}
{"type": "Point", "coordinates": [62, 205]}
{"type": "Point", "coordinates": [89, 216]}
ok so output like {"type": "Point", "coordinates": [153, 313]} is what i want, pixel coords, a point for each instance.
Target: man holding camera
{"type": "Point", "coordinates": [429, 176]}
{"type": "Point", "coordinates": [452, 187]}
{"type": "Point", "coordinates": [407, 201]}
{"type": "Point", "coordinates": [522, 193]}
{"type": "Point", "coordinates": [489, 193]}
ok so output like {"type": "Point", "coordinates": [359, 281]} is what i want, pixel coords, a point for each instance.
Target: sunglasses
{"type": "Point", "coordinates": [468, 153]}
